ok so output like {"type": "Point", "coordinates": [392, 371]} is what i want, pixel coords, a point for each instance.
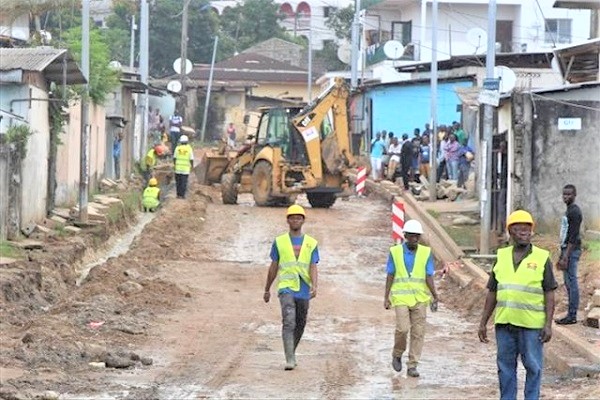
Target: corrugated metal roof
{"type": "Point", "coordinates": [52, 62]}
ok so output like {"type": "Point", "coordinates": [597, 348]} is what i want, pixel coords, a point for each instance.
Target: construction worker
{"type": "Point", "coordinates": [184, 162]}
{"type": "Point", "coordinates": [294, 258]}
{"type": "Point", "coordinates": [521, 289]}
{"type": "Point", "coordinates": [149, 162]}
{"type": "Point", "coordinates": [151, 196]}
{"type": "Point", "coordinates": [408, 288]}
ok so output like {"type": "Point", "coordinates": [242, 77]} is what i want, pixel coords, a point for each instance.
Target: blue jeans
{"type": "Point", "coordinates": [452, 167]}
{"type": "Point", "coordinates": [570, 277]}
{"type": "Point", "coordinates": [513, 341]}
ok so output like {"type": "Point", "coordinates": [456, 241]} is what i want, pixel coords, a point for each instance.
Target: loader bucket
{"type": "Point", "coordinates": [211, 168]}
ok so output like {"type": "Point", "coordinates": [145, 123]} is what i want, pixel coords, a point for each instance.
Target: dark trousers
{"type": "Point", "coordinates": [181, 181]}
{"type": "Point", "coordinates": [440, 170]}
{"type": "Point", "coordinates": [405, 175]}
{"type": "Point", "coordinates": [293, 314]}
{"type": "Point", "coordinates": [117, 160]}
{"type": "Point", "coordinates": [173, 140]}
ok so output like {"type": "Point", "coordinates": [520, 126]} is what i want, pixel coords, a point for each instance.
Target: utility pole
{"type": "Point", "coordinates": [144, 32]}
{"type": "Point", "coordinates": [486, 143]}
{"type": "Point", "coordinates": [355, 45]}
{"type": "Point", "coordinates": [208, 89]}
{"type": "Point", "coordinates": [309, 94]}
{"type": "Point", "coordinates": [183, 65]}
{"type": "Point", "coordinates": [84, 142]}
{"type": "Point", "coordinates": [434, 95]}
{"type": "Point", "coordinates": [132, 43]}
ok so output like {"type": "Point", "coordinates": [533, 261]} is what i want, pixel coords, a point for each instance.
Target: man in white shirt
{"type": "Point", "coordinates": [394, 152]}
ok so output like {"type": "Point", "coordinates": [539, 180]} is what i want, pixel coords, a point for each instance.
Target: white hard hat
{"type": "Point", "coordinates": [183, 139]}
{"type": "Point", "coordinates": [413, 226]}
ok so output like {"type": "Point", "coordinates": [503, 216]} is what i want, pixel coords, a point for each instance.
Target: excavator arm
{"type": "Point", "coordinates": [329, 148]}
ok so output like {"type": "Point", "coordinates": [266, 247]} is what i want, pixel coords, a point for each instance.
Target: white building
{"type": "Point", "coordinates": [521, 26]}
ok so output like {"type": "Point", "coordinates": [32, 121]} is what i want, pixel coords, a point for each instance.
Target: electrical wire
{"type": "Point", "coordinates": [567, 103]}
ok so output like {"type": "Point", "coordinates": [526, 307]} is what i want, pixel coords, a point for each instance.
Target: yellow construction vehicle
{"type": "Point", "coordinates": [294, 150]}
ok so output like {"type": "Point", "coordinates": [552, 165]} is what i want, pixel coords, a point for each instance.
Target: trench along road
{"type": "Point", "coordinates": [225, 342]}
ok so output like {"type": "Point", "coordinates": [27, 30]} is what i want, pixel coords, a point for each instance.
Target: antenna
{"type": "Point", "coordinates": [174, 86]}
{"type": "Point", "coordinates": [507, 77]}
{"type": "Point", "coordinates": [344, 53]}
{"type": "Point", "coordinates": [393, 49]}
{"type": "Point", "coordinates": [477, 38]}
{"type": "Point", "coordinates": [177, 66]}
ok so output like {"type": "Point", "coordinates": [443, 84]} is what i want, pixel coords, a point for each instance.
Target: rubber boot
{"type": "Point", "coordinates": [290, 357]}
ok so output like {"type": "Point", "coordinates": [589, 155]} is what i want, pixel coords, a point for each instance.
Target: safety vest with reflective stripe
{"type": "Point", "coordinates": [408, 290]}
{"type": "Point", "coordinates": [292, 269]}
{"type": "Point", "coordinates": [183, 155]}
{"type": "Point", "coordinates": [149, 160]}
{"type": "Point", "coordinates": [520, 296]}
{"type": "Point", "coordinates": [150, 197]}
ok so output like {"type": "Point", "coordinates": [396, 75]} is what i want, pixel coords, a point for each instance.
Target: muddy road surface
{"type": "Point", "coordinates": [209, 334]}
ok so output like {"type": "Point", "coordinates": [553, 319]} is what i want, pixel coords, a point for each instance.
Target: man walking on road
{"type": "Point", "coordinates": [570, 251]}
{"type": "Point", "coordinates": [184, 162]}
{"type": "Point", "coordinates": [408, 288]}
{"type": "Point", "coordinates": [294, 258]}
{"type": "Point", "coordinates": [521, 288]}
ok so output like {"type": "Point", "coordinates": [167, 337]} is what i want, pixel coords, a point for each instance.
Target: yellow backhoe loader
{"type": "Point", "coordinates": [294, 150]}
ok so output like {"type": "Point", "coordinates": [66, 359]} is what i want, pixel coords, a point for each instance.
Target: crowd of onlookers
{"type": "Point", "coordinates": [410, 158]}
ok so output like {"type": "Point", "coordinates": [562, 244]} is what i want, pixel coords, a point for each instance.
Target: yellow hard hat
{"type": "Point", "coordinates": [295, 209]}
{"type": "Point", "coordinates": [153, 182]}
{"type": "Point", "coordinates": [519, 217]}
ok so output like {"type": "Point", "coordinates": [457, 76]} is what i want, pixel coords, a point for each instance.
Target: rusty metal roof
{"type": "Point", "coordinates": [52, 62]}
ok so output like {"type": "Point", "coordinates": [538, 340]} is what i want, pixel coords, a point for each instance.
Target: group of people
{"type": "Point", "coordinates": [520, 289]}
{"type": "Point", "coordinates": [412, 156]}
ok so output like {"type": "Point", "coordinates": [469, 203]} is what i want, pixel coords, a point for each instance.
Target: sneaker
{"type": "Point", "coordinates": [397, 363]}
{"type": "Point", "coordinates": [413, 373]}
{"type": "Point", "coordinates": [566, 321]}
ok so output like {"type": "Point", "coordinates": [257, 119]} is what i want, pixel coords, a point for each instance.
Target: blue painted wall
{"type": "Point", "coordinates": [401, 109]}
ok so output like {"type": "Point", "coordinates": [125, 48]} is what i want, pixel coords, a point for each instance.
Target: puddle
{"type": "Point", "coordinates": [120, 247]}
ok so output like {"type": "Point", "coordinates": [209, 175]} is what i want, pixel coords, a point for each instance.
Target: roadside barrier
{"type": "Point", "coordinates": [397, 222]}
{"type": "Point", "coordinates": [361, 180]}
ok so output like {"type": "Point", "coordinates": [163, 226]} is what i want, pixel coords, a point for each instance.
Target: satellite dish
{"type": "Point", "coordinates": [507, 76]}
{"type": "Point", "coordinates": [174, 86]}
{"type": "Point", "coordinates": [477, 38]}
{"type": "Point", "coordinates": [115, 65]}
{"type": "Point", "coordinates": [344, 53]}
{"type": "Point", "coordinates": [177, 66]}
{"type": "Point", "coordinates": [393, 49]}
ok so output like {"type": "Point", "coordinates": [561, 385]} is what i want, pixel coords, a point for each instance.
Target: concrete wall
{"type": "Point", "coordinates": [68, 154]}
{"type": "Point", "coordinates": [553, 157]}
{"type": "Point", "coordinates": [278, 90]}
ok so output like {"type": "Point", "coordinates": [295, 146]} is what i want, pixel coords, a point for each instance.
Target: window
{"type": "Point", "coordinates": [402, 31]}
{"type": "Point", "coordinates": [558, 31]}
{"type": "Point", "coordinates": [328, 11]}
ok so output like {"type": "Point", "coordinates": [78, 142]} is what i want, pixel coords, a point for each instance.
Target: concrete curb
{"type": "Point", "coordinates": [470, 271]}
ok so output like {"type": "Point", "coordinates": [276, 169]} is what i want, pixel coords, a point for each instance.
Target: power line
{"type": "Point", "coordinates": [567, 103]}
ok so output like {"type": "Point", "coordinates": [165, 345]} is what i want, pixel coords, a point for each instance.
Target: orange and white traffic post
{"type": "Point", "coordinates": [361, 181]}
{"type": "Point", "coordinates": [397, 222]}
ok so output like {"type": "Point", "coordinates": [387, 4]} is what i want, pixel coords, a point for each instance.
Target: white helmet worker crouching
{"type": "Point", "coordinates": [413, 226]}
{"type": "Point", "coordinates": [183, 139]}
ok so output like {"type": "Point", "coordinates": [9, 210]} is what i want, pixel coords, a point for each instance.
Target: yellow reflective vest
{"type": "Point", "coordinates": [292, 269]}
{"type": "Point", "coordinates": [149, 160]}
{"type": "Point", "coordinates": [408, 290]}
{"type": "Point", "coordinates": [520, 296]}
{"type": "Point", "coordinates": [183, 156]}
{"type": "Point", "coordinates": [150, 197]}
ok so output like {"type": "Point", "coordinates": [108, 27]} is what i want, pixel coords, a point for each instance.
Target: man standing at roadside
{"type": "Point", "coordinates": [521, 288]}
{"type": "Point", "coordinates": [570, 251]}
{"type": "Point", "coordinates": [184, 162]}
{"type": "Point", "coordinates": [294, 259]}
{"type": "Point", "coordinates": [408, 288]}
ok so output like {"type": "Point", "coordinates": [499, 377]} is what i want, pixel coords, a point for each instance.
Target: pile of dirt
{"type": "Point", "coordinates": [52, 329]}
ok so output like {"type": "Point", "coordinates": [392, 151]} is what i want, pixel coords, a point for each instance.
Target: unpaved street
{"type": "Point", "coordinates": [203, 322]}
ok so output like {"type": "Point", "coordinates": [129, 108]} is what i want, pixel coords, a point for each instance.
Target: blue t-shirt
{"type": "Point", "coordinates": [304, 292]}
{"type": "Point", "coordinates": [117, 148]}
{"type": "Point", "coordinates": [377, 149]}
{"type": "Point", "coordinates": [425, 149]}
{"type": "Point", "coordinates": [409, 262]}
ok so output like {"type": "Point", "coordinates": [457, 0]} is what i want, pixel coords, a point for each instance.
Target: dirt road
{"type": "Point", "coordinates": [210, 335]}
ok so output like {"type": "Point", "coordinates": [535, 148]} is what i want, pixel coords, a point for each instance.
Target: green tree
{"type": "Point", "coordinates": [118, 31]}
{"type": "Point", "coordinates": [103, 79]}
{"type": "Point", "coordinates": [340, 21]}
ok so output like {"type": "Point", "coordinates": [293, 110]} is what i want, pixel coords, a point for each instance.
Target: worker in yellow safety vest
{"type": "Point", "coordinates": [183, 157]}
{"type": "Point", "coordinates": [149, 161]}
{"type": "Point", "coordinates": [521, 289]}
{"type": "Point", "coordinates": [151, 196]}
{"type": "Point", "coordinates": [294, 258]}
{"type": "Point", "coordinates": [408, 289]}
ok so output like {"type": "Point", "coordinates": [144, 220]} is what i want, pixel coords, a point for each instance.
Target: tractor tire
{"type": "Point", "coordinates": [321, 199]}
{"type": "Point", "coordinates": [262, 182]}
{"type": "Point", "coordinates": [229, 189]}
